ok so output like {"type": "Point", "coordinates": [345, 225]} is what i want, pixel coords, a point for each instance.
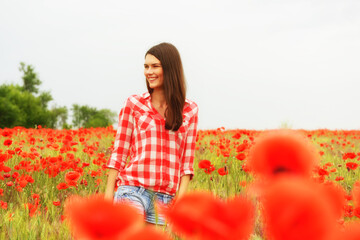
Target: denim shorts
{"type": "Point", "coordinates": [144, 200]}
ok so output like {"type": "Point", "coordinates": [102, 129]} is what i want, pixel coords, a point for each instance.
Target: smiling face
{"type": "Point", "coordinates": [153, 72]}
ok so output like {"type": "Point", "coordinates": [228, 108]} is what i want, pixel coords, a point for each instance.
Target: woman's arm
{"type": "Point", "coordinates": [121, 148]}
{"type": "Point", "coordinates": [110, 186]}
{"type": "Point", "coordinates": [184, 183]}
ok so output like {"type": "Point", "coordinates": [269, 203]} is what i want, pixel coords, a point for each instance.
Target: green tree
{"type": "Point", "coordinates": [21, 108]}
{"type": "Point", "coordinates": [30, 78]}
{"type": "Point", "coordinates": [86, 117]}
{"type": "Point", "coordinates": [58, 117]}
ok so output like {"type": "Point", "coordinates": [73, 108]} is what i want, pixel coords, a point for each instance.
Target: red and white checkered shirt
{"type": "Point", "coordinates": [158, 157]}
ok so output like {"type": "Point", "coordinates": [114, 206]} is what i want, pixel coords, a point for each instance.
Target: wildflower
{"type": "Point", "coordinates": [3, 205]}
{"type": "Point", "coordinates": [207, 166]}
{"type": "Point", "coordinates": [56, 203]}
{"type": "Point", "coordinates": [7, 142]}
{"type": "Point", "coordinates": [323, 172]}
{"type": "Point", "coordinates": [241, 147]}
{"type": "Point", "coordinates": [223, 171]}
{"type": "Point", "coordinates": [97, 218]}
{"type": "Point", "coordinates": [350, 155]}
{"type": "Point", "coordinates": [10, 183]}
{"type": "Point", "coordinates": [33, 209]}
{"type": "Point", "coordinates": [204, 164]}
{"type": "Point", "coordinates": [351, 231]}
{"type": "Point", "coordinates": [298, 209]}
{"type": "Point", "coordinates": [241, 156]}
{"type": "Point", "coordinates": [35, 196]}
{"type": "Point", "coordinates": [224, 220]}
{"type": "Point", "coordinates": [62, 186]}
{"type": "Point", "coordinates": [339, 178]}
{"type": "Point", "coordinates": [351, 165]}
{"type": "Point", "coordinates": [282, 151]}
{"type": "Point", "coordinates": [5, 168]}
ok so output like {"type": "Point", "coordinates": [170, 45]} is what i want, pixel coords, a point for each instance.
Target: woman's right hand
{"type": "Point", "coordinates": [110, 186]}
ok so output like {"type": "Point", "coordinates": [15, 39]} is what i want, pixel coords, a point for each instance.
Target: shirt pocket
{"type": "Point", "coordinates": [144, 121]}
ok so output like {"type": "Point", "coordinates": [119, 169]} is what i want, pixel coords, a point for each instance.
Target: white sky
{"type": "Point", "coordinates": [248, 64]}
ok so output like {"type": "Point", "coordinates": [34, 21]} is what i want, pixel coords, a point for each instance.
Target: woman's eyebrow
{"type": "Point", "coordinates": [146, 64]}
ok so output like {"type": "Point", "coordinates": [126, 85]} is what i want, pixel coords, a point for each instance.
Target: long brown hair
{"type": "Point", "coordinates": [174, 83]}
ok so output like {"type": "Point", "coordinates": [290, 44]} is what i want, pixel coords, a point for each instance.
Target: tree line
{"type": "Point", "coordinates": [27, 106]}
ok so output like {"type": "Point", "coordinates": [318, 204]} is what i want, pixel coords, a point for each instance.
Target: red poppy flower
{"type": "Point", "coordinates": [336, 197]}
{"type": "Point", "coordinates": [203, 164]}
{"type": "Point", "coordinates": [62, 186]}
{"type": "Point", "coordinates": [56, 203]}
{"type": "Point", "coordinates": [72, 176]}
{"type": "Point", "coordinates": [350, 155]}
{"type": "Point", "coordinates": [237, 136]}
{"type": "Point", "coordinates": [5, 168]}
{"type": "Point", "coordinates": [297, 209]}
{"type": "Point", "coordinates": [10, 183]}
{"type": "Point", "coordinates": [6, 133]}
{"type": "Point", "coordinates": [223, 171]}
{"type": "Point", "coordinates": [282, 151]}
{"type": "Point", "coordinates": [241, 147]}
{"type": "Point", "coordinates": [200, 215]}
{"type": "Point", "coordinates": [350, 232]}
{"type": "Point", "coordinates": [339, 178]}
{"type": "Point", "coordinates": [7, 142]}
{"type": "Point", "coordinates": [35, 196]}
{"type": "Point", "coordinates": [3, 205]}
{"type": "Point", "coordinates": [209, 170]}
{"type": "Point", "coordinates": [241, 156]}
{"type": "Point", "coordinates": [323, 172]}
{"type": "Point", "coordinates": [351, 165]}
{"type": "Point", "coordinates": [97, 218]}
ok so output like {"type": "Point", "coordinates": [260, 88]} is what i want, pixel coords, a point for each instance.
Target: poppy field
{"type": "Point", "coordinates": [247, 185]}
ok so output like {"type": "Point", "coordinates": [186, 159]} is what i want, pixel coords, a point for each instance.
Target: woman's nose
{"type": "Point", "coordinates": [149, 70]}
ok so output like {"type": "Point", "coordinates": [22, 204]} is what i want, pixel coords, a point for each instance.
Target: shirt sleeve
{"type": "Point", "coordinates": [123, 138]}
{"type": "Point", "coordinates": [189, 151]}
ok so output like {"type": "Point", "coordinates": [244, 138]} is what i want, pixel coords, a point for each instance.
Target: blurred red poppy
{"type": "Point", "coordinates": [223, 171]}
{"type": "Point", "coordinates": [97, 218]}
{"type": "Point", "coordinates": [351, 231]}
{"type": "Point", "coordinates": [62, 186]}
{"type": "Point", "coordinates": [298, 209]}
{"type": "Point", "coordinates": [72, 176]}
{"type": "Point", "coordinates": [241, 156]}
{"type": "Point", "coordinates": [200, 215]}
{"type": "Point", "coordinates": [3, 205]}
{"type": "Point", "coordinates": [7, 142]}
{"type": "Point", "coordinates": [351, 165]}
{"type": "Point", "coordinates": [356, 194]}
{"type": "Point", "coordinates": [203, 164]}
{"type": "Point", "coordinates": [282, 152]}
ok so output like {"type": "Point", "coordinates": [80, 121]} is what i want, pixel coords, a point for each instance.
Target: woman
{"type": "Point", "coordinates": [157, 132]}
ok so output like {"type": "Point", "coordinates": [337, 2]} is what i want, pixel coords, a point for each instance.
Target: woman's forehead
{"type": "Point", "coordinates": [151, 59]}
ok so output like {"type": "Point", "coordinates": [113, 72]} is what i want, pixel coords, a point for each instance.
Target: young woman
{"type": "Point", "coordinates": [153, 154]}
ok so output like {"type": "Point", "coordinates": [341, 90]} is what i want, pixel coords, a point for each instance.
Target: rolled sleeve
{"type": "Point", "coordinates": [123, 138]}
{"type": "Point", "coordinates": [189, 150]}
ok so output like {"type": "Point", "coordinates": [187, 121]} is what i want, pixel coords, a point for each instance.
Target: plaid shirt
{"type": "Point", "coordinates": [158, 157]}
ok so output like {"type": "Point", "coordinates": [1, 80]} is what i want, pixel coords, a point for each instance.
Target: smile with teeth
{"type": "Point", "coordinates": [152, 78]}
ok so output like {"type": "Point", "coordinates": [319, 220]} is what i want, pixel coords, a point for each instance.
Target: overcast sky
{"type": "Point", "coordinates": [248, 64]}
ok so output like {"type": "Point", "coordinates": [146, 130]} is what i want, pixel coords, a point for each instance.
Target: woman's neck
{"type": "Point", "coordinates": [158, 98]}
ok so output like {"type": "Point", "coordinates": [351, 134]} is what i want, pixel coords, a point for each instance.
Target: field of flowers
{"type": "Point", "coordinates": [41, 168]}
